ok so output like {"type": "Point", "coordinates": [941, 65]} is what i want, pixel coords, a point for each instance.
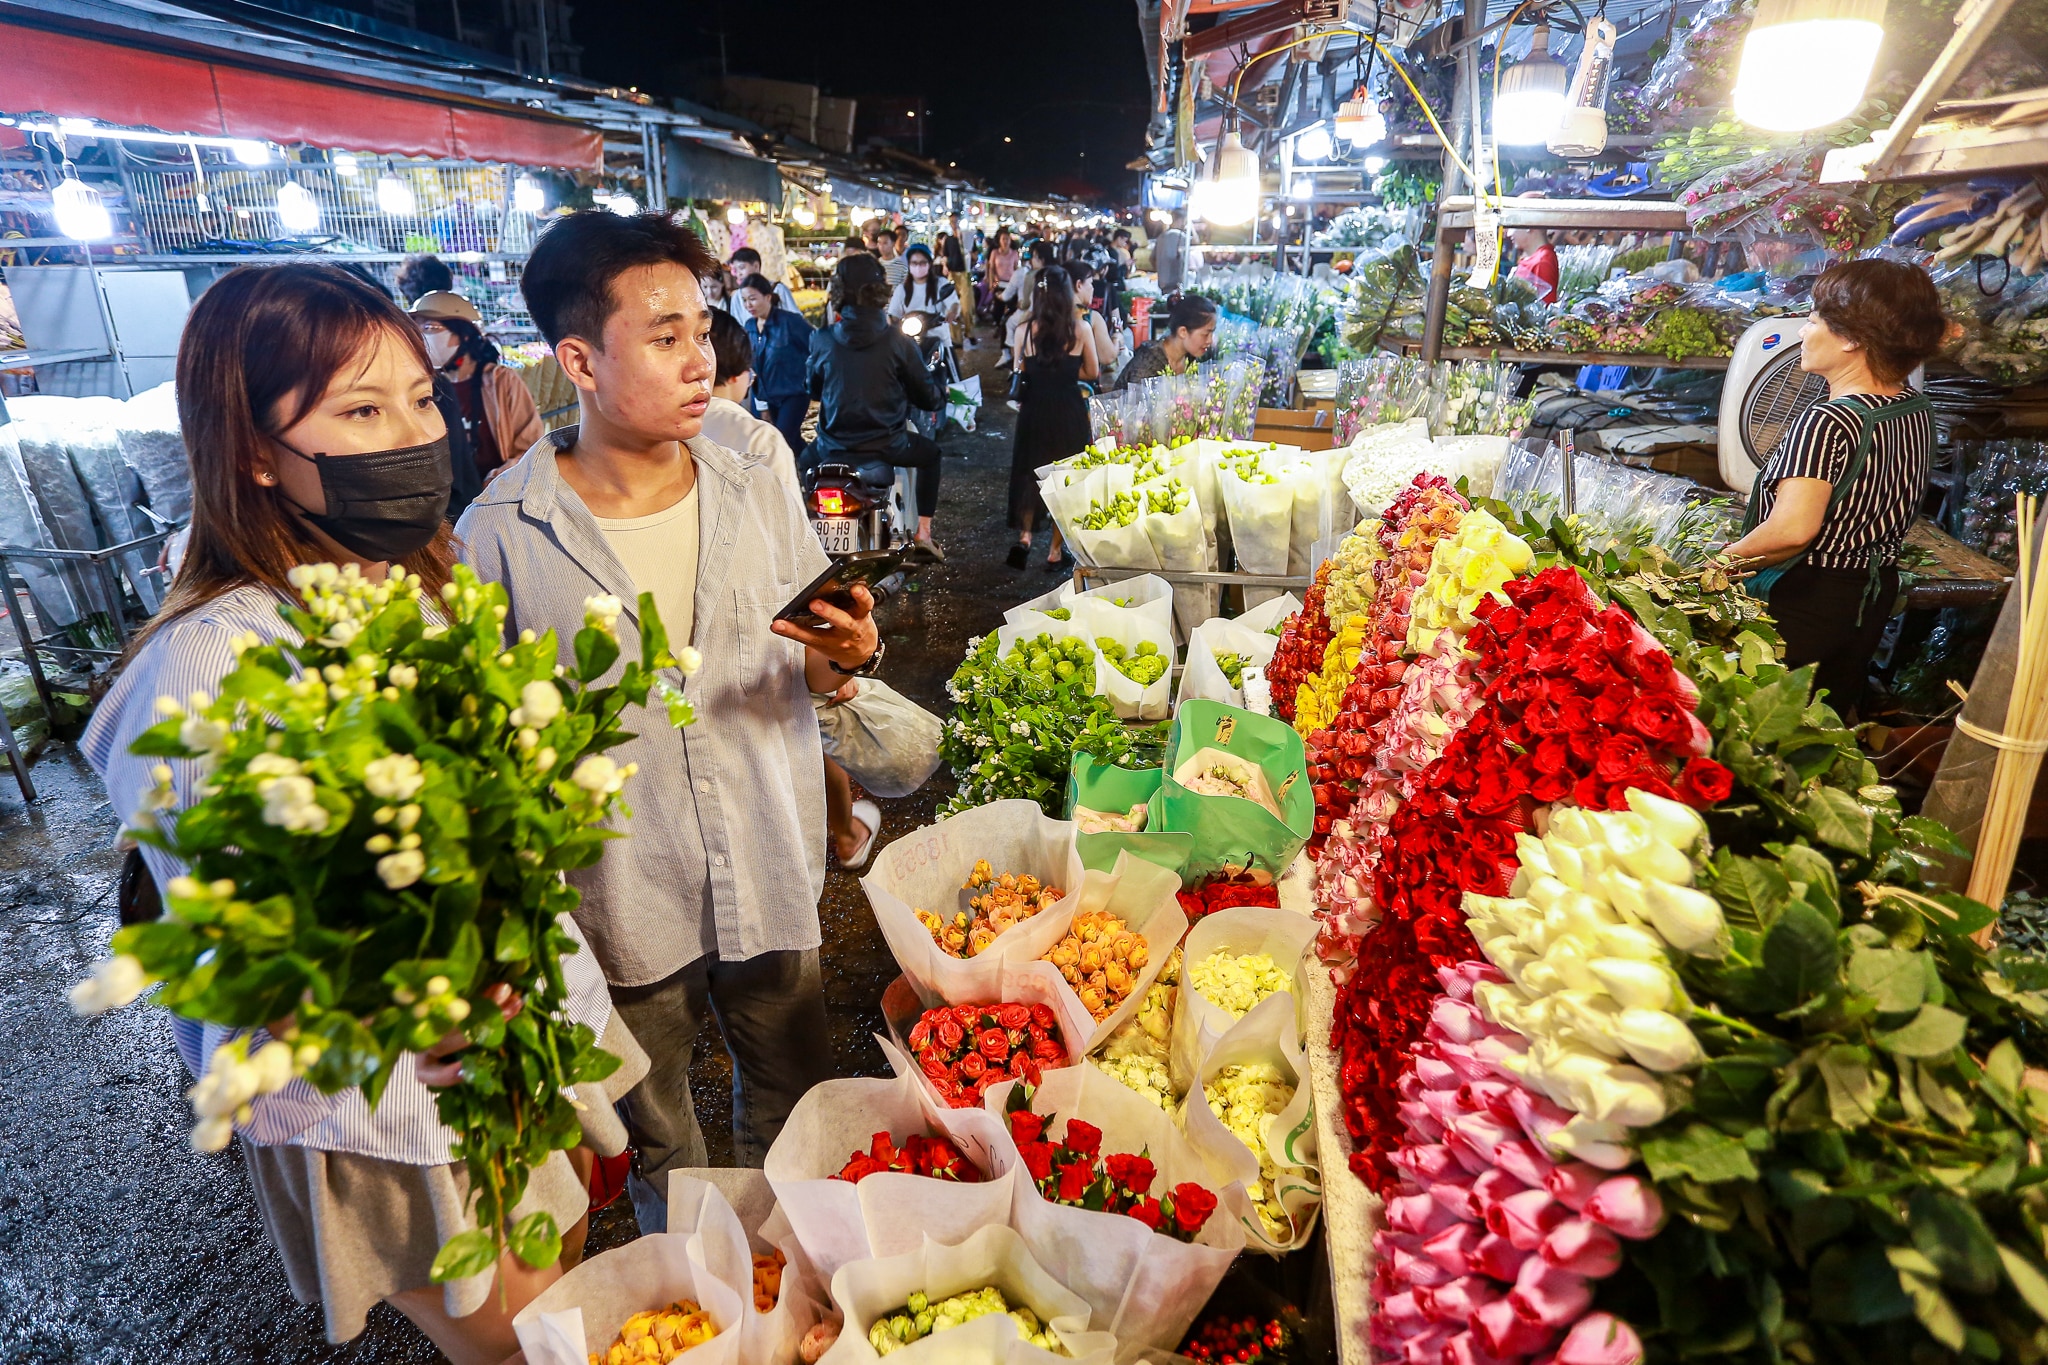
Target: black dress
{"type": "Point", "coordinates": [1052, 423]}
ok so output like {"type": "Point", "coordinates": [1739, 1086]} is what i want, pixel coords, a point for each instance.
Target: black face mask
{"type": "Point", "coordinates": [383, 505]}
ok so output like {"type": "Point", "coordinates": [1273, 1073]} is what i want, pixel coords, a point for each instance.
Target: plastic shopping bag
{"type": "Point", "coordinates": [885, 741]}
{"type": "Point", "coordinates": [929, 869]}
{"type": "Point", "coordinates": [1145, 1287]}
{"type": "Point", "coordinates": [1236, 833]}
{"type": "Point", "coordinates": [1203, 677]}
{"type": "Point", "coordinates": [1280, 1172]}
{"type": "Point", "coordinates": [868, 1291]}
{"type": "Point", "coordinates": [837, 1222]}
{"type": "Point", "coordinates": [1240, 931]}
{"type": "Point", "coordinates": [582, 1312]}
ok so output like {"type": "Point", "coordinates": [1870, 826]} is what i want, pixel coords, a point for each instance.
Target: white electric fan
{"type": "Point", "coordinates": [1764, 394]}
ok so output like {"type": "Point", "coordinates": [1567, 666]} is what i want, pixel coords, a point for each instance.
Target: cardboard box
{"type": "Point", "coordinates": [1309, 428]}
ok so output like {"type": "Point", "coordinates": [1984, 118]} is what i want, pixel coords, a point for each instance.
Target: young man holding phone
{"type": "Point", "coordinates": [702, 905]}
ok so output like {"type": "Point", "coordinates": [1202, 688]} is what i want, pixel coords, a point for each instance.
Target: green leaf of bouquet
{"type": "Point", "coordinates": [596, 652]}
{"type": "Point", "coordinates": [1895, 980]}
{"type": "Point", "coordinates": [1932, 834]}
{"type": "Point", "coordinates": [470, 1253]}
{"type": "Point", "coordinates": [1854, 1088]}
{"type": "Point", "coordinates": [1854, 1284]}
{"type": "Point", "coordinates": [1838, 819]}
{"type": "Point", "coordinates": [2027, 1279]}
{"type": "Point", "coordinates": [1933, 1032]}
{"type": "Point", "coordinates": [534, 1239]}
{"type": "Point", "coordinates": [1751, 890]}
{"type": "Point", "coordinates": [1775, 709]}
{"type": "Point", "coordinates": [1699, 1150]}
{"type": "Point", "coordinates": [1809, 865]}
{"type": "Point", "coordinates": [1947, 1229]}
{"type": "Point", "coordinates": [1800, 954]}
{"type": "Point", "coordinates": [654, 652]}
{"type": "Point", "coordinates": [514, 940]}
{"type": "Point", "coordinates": [1917, 1277]}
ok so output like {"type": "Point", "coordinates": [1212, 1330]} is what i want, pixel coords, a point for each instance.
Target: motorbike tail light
{"type": "Point", "coordinates": [831, 502]}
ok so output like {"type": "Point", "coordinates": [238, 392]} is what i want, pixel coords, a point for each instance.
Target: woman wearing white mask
{"type": "Point", "coordinates": [498, 410]}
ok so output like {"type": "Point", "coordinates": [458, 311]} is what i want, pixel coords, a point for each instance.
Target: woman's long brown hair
{"type": "Point", "coordinates": [260, 350]}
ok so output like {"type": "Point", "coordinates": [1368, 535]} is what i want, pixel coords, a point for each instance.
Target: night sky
{"type": "Point", "coordinates": [1063, 79]}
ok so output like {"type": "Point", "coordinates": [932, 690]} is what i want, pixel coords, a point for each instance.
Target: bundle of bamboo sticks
{"type": "Point", "coordinates": [2023, 739]}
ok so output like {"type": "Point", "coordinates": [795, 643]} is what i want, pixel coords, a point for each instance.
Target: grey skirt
{"type": "Point", "coordinates": [353, 1230]}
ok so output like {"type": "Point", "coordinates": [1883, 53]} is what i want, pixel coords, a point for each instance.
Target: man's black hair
{"type": "Point", "coordinates": [1124, 233]}
{"type": "Point", "coordinates": [1044, 250]}
{"type": "Point", "coordinates": [569, 276]}
{"type": "Point", "coordinates": [746, 253]}
{"type": "Point", "coordinates": [729, 343]}
{"type": "Point", "coordinates": [420, 276]}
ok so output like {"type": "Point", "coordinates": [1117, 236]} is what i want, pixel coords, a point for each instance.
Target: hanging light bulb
{"type": "Point", "coordinates": [1375, 164]}
{"type": "Point", "coordinates": [625, 205]}
{"type": "Point", "coordinates": [1805, 63]}
{"type": "Point", "coordinates": [1359, 121]}
{"type": "Point", "coordinates": [735, 214]}
{"type": "Point", "coordinates": [345, 164]}
{"type": "Point", "coordinates": [804, 214]}
{"type": "Point", "coordinates": [1582, 127]}
{"type": "Point", "coordinates": [1313, 144]}
{"type": "Point", "coordinates": [251, 153]}
{"type": "Point", "coordinates": [81, 213]}
{"type": "Point", "coordinates": [527, 195]}
{"type": "Point", "coordinates": [1229, 194]}
{"type": "Point", "coordinates": [1532, 94]}
{"type": "Point", "coordinates": [395, 197]}
{"type": "Point", "coordinates": [1303, 187]}
{"type": "Point", "coordinates": [297, 210]}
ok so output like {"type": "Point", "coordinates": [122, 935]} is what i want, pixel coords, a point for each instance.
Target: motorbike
{"type": "Point", "coordinates": [934, 340]}
{"type": "Point", "coordinates": [849, 505]}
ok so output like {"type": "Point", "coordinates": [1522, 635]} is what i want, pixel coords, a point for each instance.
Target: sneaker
{"type": "Point", "coordinates": [1003, 359]}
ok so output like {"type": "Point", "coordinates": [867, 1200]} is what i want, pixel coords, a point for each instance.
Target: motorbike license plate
{"type": "Point", "coordinates": [839, 535]}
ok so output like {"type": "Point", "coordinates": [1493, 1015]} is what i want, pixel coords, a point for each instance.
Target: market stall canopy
{"type": "Point", "coordinates": [73, 76]}
{"type": "Point", "coordinates": [697, 171]}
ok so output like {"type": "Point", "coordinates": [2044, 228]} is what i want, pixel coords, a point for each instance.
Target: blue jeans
{"type": "Point", "coordinates": [786, 415]}
{"type": "Point", "coordinates": [771, 1010]}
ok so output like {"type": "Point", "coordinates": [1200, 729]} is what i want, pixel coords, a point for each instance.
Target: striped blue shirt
{"type": "Point", "coordinates": [192, 655]}
{"type": "Point", "coordinates": [725, 851]}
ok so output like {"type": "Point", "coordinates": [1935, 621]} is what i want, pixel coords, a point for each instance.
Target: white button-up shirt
{"type": "Point", "coordinates": [739, 871]}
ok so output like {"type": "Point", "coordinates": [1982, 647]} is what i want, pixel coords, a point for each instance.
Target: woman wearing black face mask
{"type": "Point", "coordinates": [307, 405]}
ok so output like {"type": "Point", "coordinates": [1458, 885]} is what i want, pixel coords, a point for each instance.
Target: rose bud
{"type": "Point", "coordinates": [1545, 1294]}
{"type": "Point", "coordinates": [1385, 1243]}
{"type": "Point", "coordinates": [1455, 1301]}
{"type": "Point", "coordinates": [1419, 1214]}
{"type": "Point", "coordinates": [1630, 941]}
{"type": "Point", "coordinates": [1465, 1061]}
{"type": "Point", "coordinates": [1419, 1272]}
{"type": "Point", "coordinates": [1674, 822]}
{"type": "Point", "coordinates": [1454, 1247]}
{"type": "Point", "coordinates": [1464, 1349]}
{"type": "Point", "coordinates": [1583, 1247]}
{"type": "Point", "coordinates": [1427, 1162]}
{"type": "Point", "coordinates": [1427, 1346]}
{"type": "Point", "coordinates": [1402, 1308]}
{"type": "Point", "coordinates": [1690, 920]}
{"type": "Point", "coordinates": [1472, 1138]}
{"type": "Point", "coordinates": [1600, 1339]}
{"type": "Point", "coordinates": [1657, 1041]}
{"type": "Point", "coordinates": [1658, 862]}
{"type": "Point", "coordinates": [1573, 1183]}
{"type": "Point", "coordinates": [1522, 1160]}
{"type": "Point", "coordinates": [1539, 1118]}
{"type": "Point", "coordinates": [1637, 985]}
{"type": "Point", "coordinates": [1442, 1105]}
{"type": "Point", "coordinates": [1627, 1206]}
{"type": "Point", "coordinates": [1435, 1073]}
{"type": "Point", "coordinates": [1525, 1218]}
{"type": "Point", "coordinates": [1499, 1258]}
{"type": "Point", "coordinates": [1457, 1020]}
{"type": "Point", "coordinates": [1505, 1332]}
{"type": "Point", "coordinates": [1455, 1193]}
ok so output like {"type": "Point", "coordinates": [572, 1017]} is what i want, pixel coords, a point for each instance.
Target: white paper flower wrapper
{"type": "Point", "coordinates": [584, 1310]}
{"type": "Point", "coordinates": [1322, 507]}
{"type": "Point", "coordinates": [867, 1290]}
{"type": "Point", "coordinates": [1129, 626]}
{"type": "Point", "coordinates": [1178, 538]}
{"type": "Point", "coordinates": [772, 1337]}
{"type": "Point", "coordinates": [1262, 617]}
{"type": "Point", "coordinates": [837, 1222]}
{"type": "Point", "coordinates": [1039, 605]}
{"type": "Point", "coordinates": [1261, 517]}
{"type": "Point", "coordinates": [1263, 1036]}
{"type": "Point", "coordinates": [1142, 894]}
{"type": "Point", "coordinates": [1114, 547]}
{"type": "Point", "coordinates": [929, 869]}
{"type": "Point", "coordinates": [1198, 1024]}
{"type": "Point", "coordinates": [1147, 597]}
{"type": "Point", "coordinates": [1143, 1286]}
{"type": "Point", "coordinates": [1202, 676]}
{"type": "Point", "coordinates": [1021, 983]}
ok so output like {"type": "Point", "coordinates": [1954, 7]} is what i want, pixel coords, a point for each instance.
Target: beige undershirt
{"type": "Point", "coordinates": [660, 555]}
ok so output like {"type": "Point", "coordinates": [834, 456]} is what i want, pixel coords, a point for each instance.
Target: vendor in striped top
{"type": "Point", "coordinates": [1830, 509]}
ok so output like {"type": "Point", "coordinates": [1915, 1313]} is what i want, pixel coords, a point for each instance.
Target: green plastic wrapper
{"type": "Point", "coordinates": [1235, 833]}
{"type": "Point", "coordinates": [1105, 788]}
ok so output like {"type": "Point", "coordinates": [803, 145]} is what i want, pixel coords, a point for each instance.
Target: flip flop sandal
{"type": "Point", "coordinates": [869, 814]}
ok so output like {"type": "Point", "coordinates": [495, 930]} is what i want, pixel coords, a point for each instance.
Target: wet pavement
{"type": "Point", "coordinates": [118, 1243]}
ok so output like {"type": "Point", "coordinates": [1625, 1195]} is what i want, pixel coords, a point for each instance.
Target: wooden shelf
{"type": "Point", "coordinates": [1623, 215]}
{"type": "Point", "coordinates": [1949, 148]}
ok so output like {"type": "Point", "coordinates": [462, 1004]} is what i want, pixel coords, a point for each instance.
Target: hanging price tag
{"type": "Point", "coordinates": [1485, 243]}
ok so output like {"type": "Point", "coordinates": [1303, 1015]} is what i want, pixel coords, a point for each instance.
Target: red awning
{"type": "Point", "coordinates": [75, 77]}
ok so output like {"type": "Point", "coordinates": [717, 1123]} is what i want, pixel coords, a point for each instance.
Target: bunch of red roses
{"type": "Point", "coordinates": [1579, 703]}
{"type": "Point", "coordinates": [1074, 1172]}
{"type": "Point", "coordinates": [965, 1049]}
{"type": "Point", "coordinates": [1303, 641]}
{"type": "Point", "coordinates": [935, 1157]}
{"type": "Point", "coordinates": [1221, 892]}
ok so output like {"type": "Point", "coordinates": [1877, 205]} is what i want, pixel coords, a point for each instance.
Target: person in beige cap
{"type": "Point", "coordinates": [498, 410]}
